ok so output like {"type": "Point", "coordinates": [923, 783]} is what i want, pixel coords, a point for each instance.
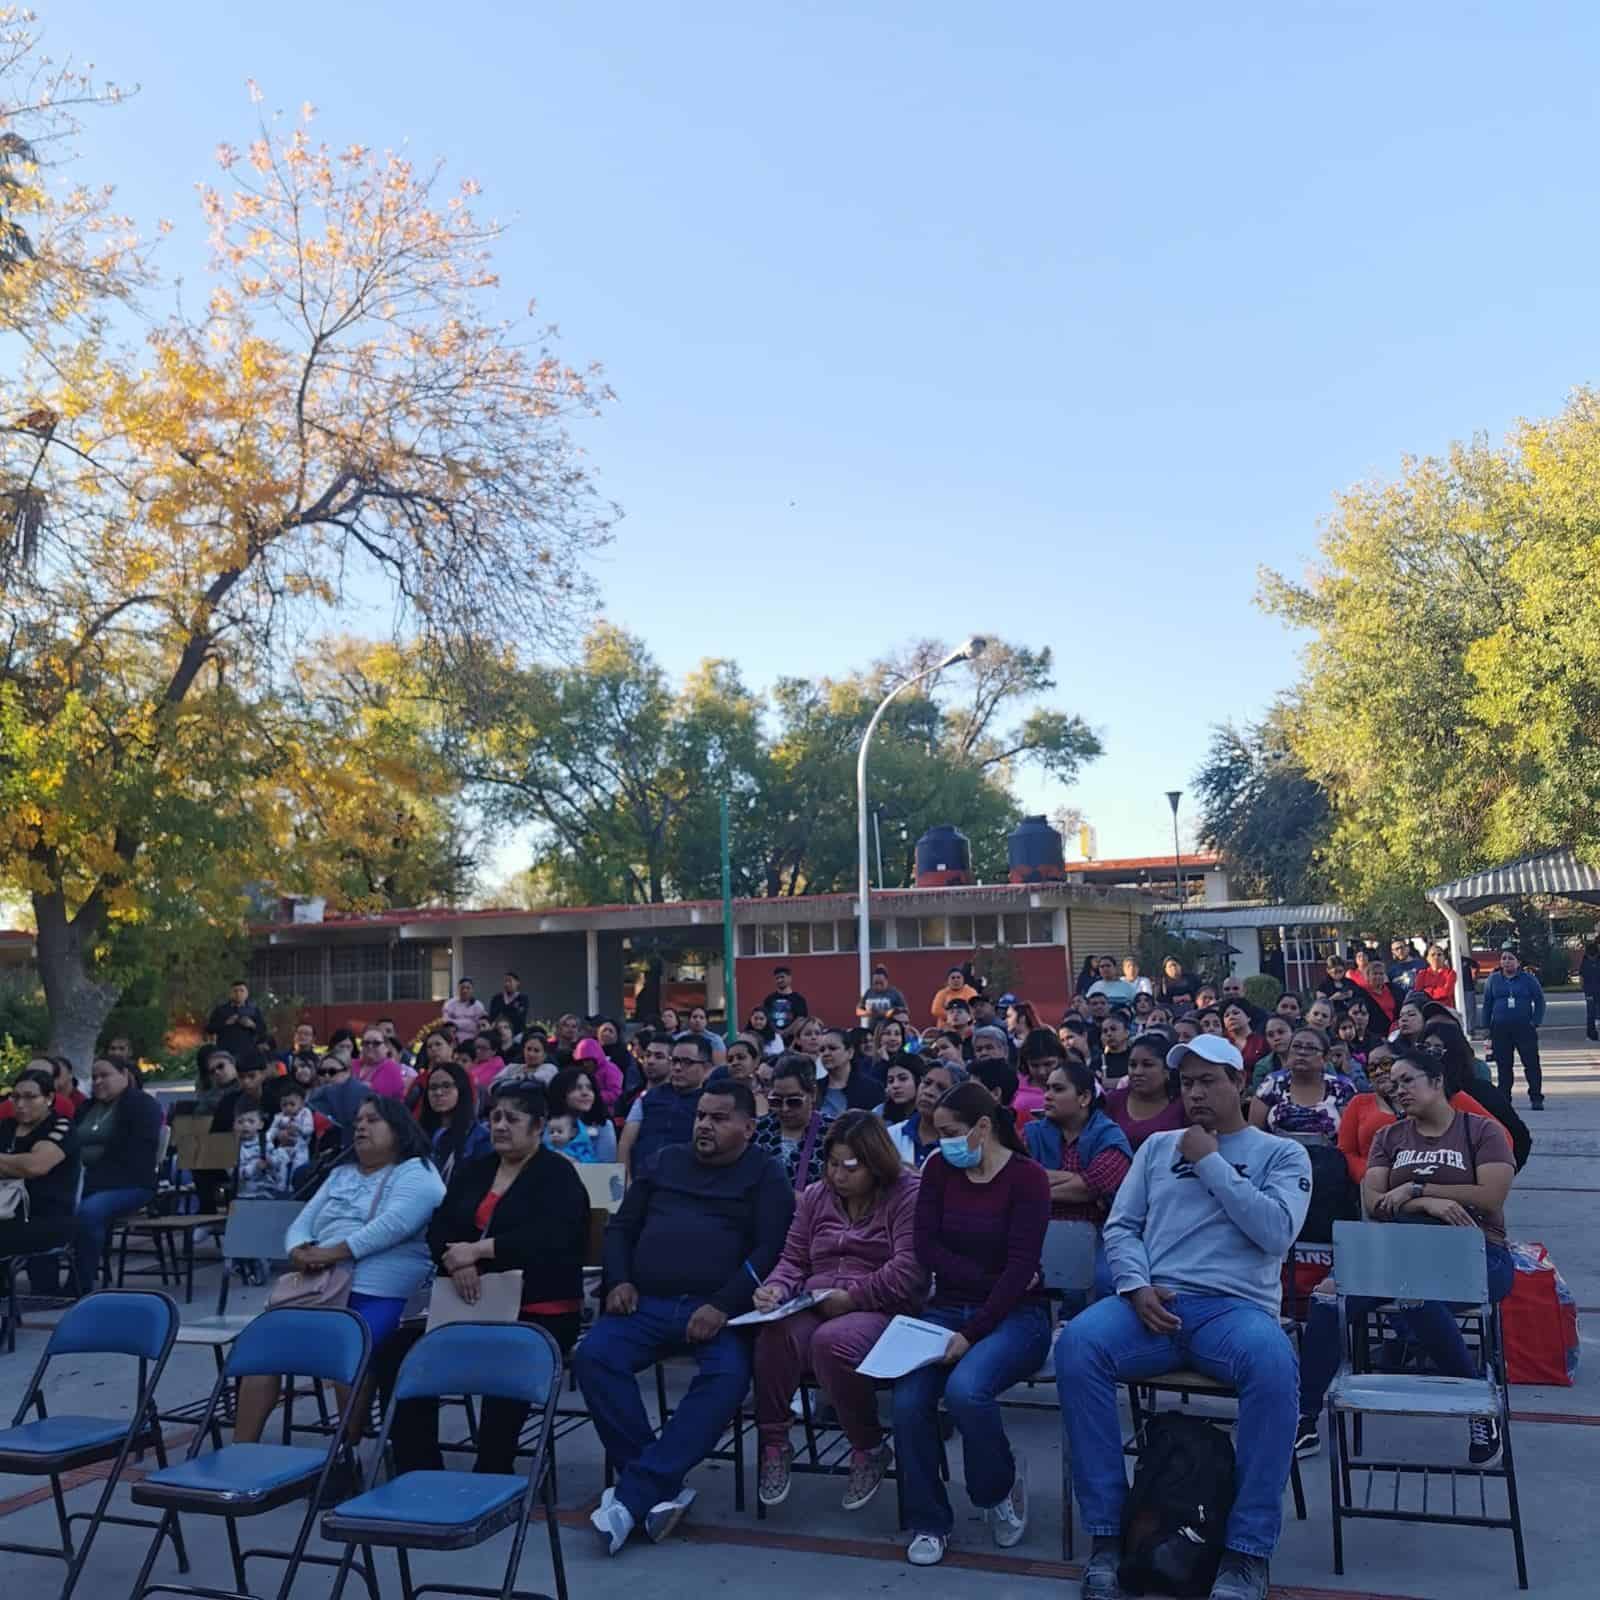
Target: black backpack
{"type": "Point", "coordinates": [1176, 1515]}
{"type": "Point", "coordinates": [1334, 1198]}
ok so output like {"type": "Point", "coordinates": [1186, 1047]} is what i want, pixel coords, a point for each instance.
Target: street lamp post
{"type": "Point", "coordinates": [1173, 797]}
{"type": "Point", "coordinates": [972, 648]}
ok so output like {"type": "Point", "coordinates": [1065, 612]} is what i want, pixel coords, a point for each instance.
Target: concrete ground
{"type": "Point", "coordinates": [810, 1546]}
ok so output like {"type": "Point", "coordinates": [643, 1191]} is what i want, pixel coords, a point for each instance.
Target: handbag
{"type": "Point", "coordinates": [13, 1200]}
{"type": "Point", "coordinates": [322, 1286]}
{"type": "Point", "coordinates": [499, 1300]}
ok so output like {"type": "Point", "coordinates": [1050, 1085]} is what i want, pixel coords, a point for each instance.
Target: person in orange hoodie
{"type": "Point", "coordinates": [955, 987]}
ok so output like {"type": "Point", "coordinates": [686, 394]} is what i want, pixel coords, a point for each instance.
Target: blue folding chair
{"type": "Point", "coordinates": [244, 1480]}
{"type": "Point", "coordinates": [126, 1322]}
{"type": "Point", "coordinates": [1393, 1261]}
{"type": "Point", "coordinates": [457, 1510]}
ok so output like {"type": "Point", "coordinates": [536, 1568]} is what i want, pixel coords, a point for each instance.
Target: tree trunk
{"type": "Point", "coordinates": [78, 1005]}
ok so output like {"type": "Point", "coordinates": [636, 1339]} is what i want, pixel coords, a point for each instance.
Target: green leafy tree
{"type": "Point", "coordinates": [623, 774]}
{"type": "Point", "coordinates": [1262, 812]}
{"type": "Point", "coordinates": [1450, 700]}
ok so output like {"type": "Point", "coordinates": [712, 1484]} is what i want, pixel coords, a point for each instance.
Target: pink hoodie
{"type": "Point", "coordinates": [590, 1053]}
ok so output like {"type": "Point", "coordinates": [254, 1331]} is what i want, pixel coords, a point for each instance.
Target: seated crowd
{"type": "Point", "coordinates": [880, 1169]}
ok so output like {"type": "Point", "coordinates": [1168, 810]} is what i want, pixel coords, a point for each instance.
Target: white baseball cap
{"type": "Point", "coordinates": [1209, 1047]}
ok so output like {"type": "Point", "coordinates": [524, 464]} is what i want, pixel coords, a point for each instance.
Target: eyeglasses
{"type": "Point", "coordinates": [848, 1164]}
{"type": "Point", "coordinates": [372, 1044]}
{"type": "Point", "coordinates": [790, 1102]}
{"type": "Point", "coordinates": [686, 1061]}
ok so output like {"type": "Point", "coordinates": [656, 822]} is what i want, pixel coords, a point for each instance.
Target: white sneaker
{"type": "Point", "coordinates": [1009, 1519]}
{"type": "Point", "coordinates": [612, 1520]}
{"type": "Point", "coordinates": [926, 1550]}
{"type": "Point", "coordinates": [665, 1515]}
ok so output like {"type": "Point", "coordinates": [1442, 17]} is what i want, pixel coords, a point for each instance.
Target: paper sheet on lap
{"type": "Point", "coordinates": [903, 1346]}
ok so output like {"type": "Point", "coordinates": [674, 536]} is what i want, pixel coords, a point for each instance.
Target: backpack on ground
{"type": "Point", "coordinates": [1176, 1515]}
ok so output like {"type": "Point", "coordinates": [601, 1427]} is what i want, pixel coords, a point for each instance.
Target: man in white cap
{"type": "Point", "coordinates": [1196, 1242]}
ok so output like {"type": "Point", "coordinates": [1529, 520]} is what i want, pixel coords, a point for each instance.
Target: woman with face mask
{"type": "Point", "coordinates": [982, 1210]}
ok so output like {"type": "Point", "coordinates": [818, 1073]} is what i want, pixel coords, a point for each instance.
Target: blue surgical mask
{"type": "Point", "coordinates": [958, 1152]}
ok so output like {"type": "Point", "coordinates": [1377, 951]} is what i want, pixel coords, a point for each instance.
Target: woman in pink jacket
{"type": "Point", "coordinates": [851, 1242]}
{"type": "Point", "coordinates": [591, 1054]}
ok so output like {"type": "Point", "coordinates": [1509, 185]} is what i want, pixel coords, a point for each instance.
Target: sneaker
{"type": "Point", "coordinates": [926, 1549]}
{"type": "Point", "coordinates": [1485, 1446]}
{"type": "Point", "coordinates": [1536, 1102]}
{"type": "Point", "coordinates": [612, 1520]}
{"type": "Point", "coordinates": [1241, 1577]}
{"type": "Point", "coordinates": [867, 1468]}
{"type": "Point", "coordinates": [1100, 1580]}
{"type": "Point", "coordinates": [772, 1487]}
{"type": "Point", "coordinates": [1009, 1519]}
{"type": "Point", "coordinates": [665, 1515]}
{"type": "Point", "coordinates": [1307, 1440]}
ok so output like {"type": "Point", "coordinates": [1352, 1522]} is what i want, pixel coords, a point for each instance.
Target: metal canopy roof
{"type": "Point", "coordinates": [1255, 916]}
{"type": "Point", "coordinates": [1555, 872]}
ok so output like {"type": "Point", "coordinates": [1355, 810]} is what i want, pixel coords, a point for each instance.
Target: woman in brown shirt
{"type": "Point", "coordinates": [1435, 1165]}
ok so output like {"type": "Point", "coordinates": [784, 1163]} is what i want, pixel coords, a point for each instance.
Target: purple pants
{"type": "Point", "coordinates": [829, 1351]}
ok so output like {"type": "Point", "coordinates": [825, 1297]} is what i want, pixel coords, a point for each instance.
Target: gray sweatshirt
{"type": "Point", "coordinates": [1221, 1226]}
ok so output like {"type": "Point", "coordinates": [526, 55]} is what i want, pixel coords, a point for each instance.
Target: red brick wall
{"type": "Point", "coordinates": [829, 982]}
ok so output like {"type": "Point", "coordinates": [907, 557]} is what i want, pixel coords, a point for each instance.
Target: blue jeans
{"type": "Point", "coordinates": [96, 1212]}
{"type": "Point", "coordinates": [971, 1390]}
{"type": "Point", "coordinates": [651, 1468]}
{"type": "Point", "coordinates": [1226, 1338]}
{"type": "Point", "coordinates": [1431, 1326]}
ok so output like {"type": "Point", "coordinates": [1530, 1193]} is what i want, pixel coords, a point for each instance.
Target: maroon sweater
{"type": "Point", "coordinates": [982, 1240]}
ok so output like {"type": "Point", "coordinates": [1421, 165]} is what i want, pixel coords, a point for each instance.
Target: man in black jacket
{"type": "Point", "coordinates": [698, 1231]}
{"type": "Point", "coordinates": [237, 1025]}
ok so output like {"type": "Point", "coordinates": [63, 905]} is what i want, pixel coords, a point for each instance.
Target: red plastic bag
{"type": "Point", "coordinates": [1539, 1321]}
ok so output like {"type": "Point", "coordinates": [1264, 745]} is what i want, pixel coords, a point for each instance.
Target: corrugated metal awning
{"type": "Point", "coordinates": [1556, 872]}
{"type": "Point", "coordinates": [1256, 916]}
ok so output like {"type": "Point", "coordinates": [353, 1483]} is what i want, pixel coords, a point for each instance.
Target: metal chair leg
{"type": "Point", "coordinates": [552, 1523]}
{"type": "Point", "coordinates": [1335, 1475]}
{"type": "Point", "coordinates": [161, 1460]}
{"type": "Point", "coordinates": [1514, 1504]}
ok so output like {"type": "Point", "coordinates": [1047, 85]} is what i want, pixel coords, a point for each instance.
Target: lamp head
{"type": "Point", "coordinates": [974, 647]}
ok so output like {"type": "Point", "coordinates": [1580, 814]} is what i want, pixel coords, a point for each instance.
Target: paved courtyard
{"type": "Point", "coordinates": [810, 1547]}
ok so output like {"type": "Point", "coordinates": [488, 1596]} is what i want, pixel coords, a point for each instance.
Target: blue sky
{"type": "Point", "coordinates": [1051, 321]}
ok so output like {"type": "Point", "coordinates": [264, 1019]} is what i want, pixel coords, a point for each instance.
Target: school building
{"type": "Point", "coordinates": [617, 960]}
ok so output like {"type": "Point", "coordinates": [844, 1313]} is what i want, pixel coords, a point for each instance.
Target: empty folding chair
{"type": "Point", "coordinates": [255, 1232]}
{"type": "Point", "coordinates": [456, 1510]}
{"type": "Point", "coordinates": [1066, 1269]}
{"type": "Point", "coordinates": [1393, 1261]}
{"type": "Point", "coordinates": [244, 1480]}
{"type": "Point", "coordinates": [126, 1322]}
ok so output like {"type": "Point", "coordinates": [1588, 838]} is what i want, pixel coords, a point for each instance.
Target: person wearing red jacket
{"type": "Point", "coordinates": [1373, 981]}
{"type": "Point", "coordinates": [1437, 980]}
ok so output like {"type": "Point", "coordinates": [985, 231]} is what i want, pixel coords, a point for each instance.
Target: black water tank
{"type": "Point", "coordinates": [944, 855]}
{"type": "Point", "coordinates": [1034, 852]}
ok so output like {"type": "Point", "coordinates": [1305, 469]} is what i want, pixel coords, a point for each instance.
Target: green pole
{"type": "Point", "coordinates": [727, 923]}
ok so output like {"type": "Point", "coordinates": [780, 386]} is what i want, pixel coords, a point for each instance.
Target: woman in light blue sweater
{"type": "Point", "coordinates": [371, 1216]}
